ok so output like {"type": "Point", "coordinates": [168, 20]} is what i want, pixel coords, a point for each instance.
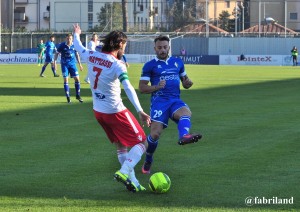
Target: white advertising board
{"type": "Point", "coordinates": [18, 58]}
{"type": "Point", "coordinates": [262, 60]}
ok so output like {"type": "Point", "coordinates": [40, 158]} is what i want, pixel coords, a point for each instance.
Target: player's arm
{"type": "Point", "coordinates": [84, 52]}
{"type": "Point", "coordinates": [132, 96]}
{"type": "Point", "coordinates": [78, 60]}
{"type": "Point", "coordinates": [186, 82]}
{"type": "Point", "coordinates": [145, 88]}
{"type": "Point", "coordinates": [125, 60]}
{"type": "Point", "coordinates": [55, 59]}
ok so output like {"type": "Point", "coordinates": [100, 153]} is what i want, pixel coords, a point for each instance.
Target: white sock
{"type": "Point", "coordinates": [122, 154]}
{"type": "Point", "coordinates": [133, 157]}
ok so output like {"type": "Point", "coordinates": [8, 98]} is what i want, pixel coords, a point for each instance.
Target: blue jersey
{"type": "Point", "coordinates": [67, 53]}
{"type": "Point", "coordinates": [170, 70]}
{"type": "Point", "coordinates": [49, 48]}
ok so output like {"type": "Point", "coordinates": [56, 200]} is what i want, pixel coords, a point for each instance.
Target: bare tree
{"type": "Point", "coordinates": [125, 15]}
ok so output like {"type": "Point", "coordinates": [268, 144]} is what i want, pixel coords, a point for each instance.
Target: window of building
{"type": "Point", "coordinates": [90, 17]}
{"type": "Point", "coordinates": [293, 16]}
{"type": "Point", "coordinates": [21, 1]}
{"type": "Point", "coordinates": [227, 3]}
{"type": "Point", "coordinates": [90, 6]}
{"type": "Point", "coordinates": [20, 10]}
{"type": "Point", "coordinates": [90, 20]}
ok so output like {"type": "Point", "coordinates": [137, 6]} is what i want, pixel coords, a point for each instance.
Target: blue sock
{"type": "Point", "coordinates": [77, 88]}
{"type": "Point", "coordinates": [53, 70]}
{"type": "Point", "coordinates": [152, 144]}
{"type": "Point", "coordinates": [67, 89]}
{"type": "Point", "coordinates": [43, 69]}
{"type": "Point", "coordinates": [184, 125]}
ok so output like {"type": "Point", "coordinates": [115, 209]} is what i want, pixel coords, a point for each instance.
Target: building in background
{"type": "Point", "coordinates": [284, 12]}
{"type": "Point", "coordinates": [30, 14]}
{"type": "Point", "coordinates": [143, 15]}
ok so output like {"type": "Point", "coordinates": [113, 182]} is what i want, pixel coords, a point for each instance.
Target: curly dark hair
{"type": "Point", "coordinates": [112, 41]}
{"type": "Point", "coordinates": [162, 38]}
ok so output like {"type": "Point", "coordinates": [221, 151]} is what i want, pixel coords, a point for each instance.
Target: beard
{"type": "Point", "coordinates": [162, 56]}
{"type": "Point", "coordinates": [120, 54]}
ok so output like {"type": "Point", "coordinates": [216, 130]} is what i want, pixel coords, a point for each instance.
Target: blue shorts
{"type": "Point", "coordinates": [49, 59]}
{"type": "Point", "coordinates": [162, 110]}
{"type": "Point", "coordinates": [67, 69]}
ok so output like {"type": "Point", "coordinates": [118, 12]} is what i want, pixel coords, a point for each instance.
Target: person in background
{"type": "Point", "coordinates": [41, 50]}
{"type": "Point", "coordinates": [50, 50]}
{"type": "Point", "coordinates": [92, 46]}
{"type": "Point", "coordinates": [183, 51]}
{"type": "Point", "coordinates": [68, 66]}
{"type": "Point", "coordinates": [294, 52]}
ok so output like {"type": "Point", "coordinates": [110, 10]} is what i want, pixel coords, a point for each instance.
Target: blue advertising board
{"type": "Point", "coordinates": [199, 59]}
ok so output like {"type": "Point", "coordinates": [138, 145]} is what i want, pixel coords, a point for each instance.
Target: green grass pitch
{"type": "Point", "coordinates": [55, 157]}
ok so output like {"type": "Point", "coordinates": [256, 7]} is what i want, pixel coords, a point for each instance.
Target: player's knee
{"type": "Point", "coordinates": [155, 135]}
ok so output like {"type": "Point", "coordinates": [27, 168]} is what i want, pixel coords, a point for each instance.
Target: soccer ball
{"type": "Point", "coordinates": [159, 183]}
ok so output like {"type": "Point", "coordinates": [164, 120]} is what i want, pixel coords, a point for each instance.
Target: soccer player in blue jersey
{"type": "Point", "coordinates": [165, 73]}
{"type": "Point", "coordinates": [68, 66]}
{"type": "Point", "coordinates": [49, 52]}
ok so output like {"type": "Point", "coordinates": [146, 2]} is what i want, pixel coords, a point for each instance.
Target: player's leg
{"type": "Point", "coordinates": [152, 140]}
{"type": "Point", "coordinates": [126, 174]}
{"type": "Point", "coordinates": [122, 155]}
{"type": "Point", "coordinates": [44, 68]}
{"type": "Point", "coordinates": [182, 116]}
{"type": "Point", "coordinates": [53, 68]}
{"type": "Point", "coordinates": [129, 133]}
{"type": "Point", "coordinates": [42, 58]}
{"type": "Point", "coordinates": [74, 73]}
{"type": "Point", "coordinates": [159, 117]}
{"type": "Point", "coordinates": [86, 79]}
{"type": "Point", "coordinates": [65, 75]}
{"type": "Point", "coordinates": [39, 59]}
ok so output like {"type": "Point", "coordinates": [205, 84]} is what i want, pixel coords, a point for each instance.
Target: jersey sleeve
{"type": "Point", "coordinates": [146, 72]}
{"type": "Point", "coordinates": [84, 52]}
{"type": "Point", "coordinates": [182, 72]}
{"type": "Point", "coordinates": [59, 48]}
{"type": "Point", "coordinates": [121, 72]}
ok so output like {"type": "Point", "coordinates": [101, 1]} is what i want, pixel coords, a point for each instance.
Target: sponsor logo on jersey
{"type": "Point", "coordinates": [170, 77]}
{"type": "Point", "coordinates": [100, 95]}
{"type": "Point", "coordinates": [159, 66]}
{"type": "Point", "coordinates": [140, 137]}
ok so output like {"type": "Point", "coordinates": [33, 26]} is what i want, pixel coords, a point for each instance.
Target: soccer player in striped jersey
{"type": "Point", "coordinates": [106, 73]}
{"type": "Point", "coordinates": [165, 73]}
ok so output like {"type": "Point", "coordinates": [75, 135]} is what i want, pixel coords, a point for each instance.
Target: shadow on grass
{"type": "Point", "coordinates": [250, 148]}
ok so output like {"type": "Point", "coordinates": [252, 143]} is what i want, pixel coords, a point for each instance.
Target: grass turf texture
{"type": "Point", "coordinates": [55, 157]}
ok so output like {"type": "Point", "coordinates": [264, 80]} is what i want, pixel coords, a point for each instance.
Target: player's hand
{"type": "Point", "coordinates": [187, 83]}
{"type": "Point", "coordinates": [127, 65]}
{"type": "Point", "coordinates": [145, 118]}
{"type": "Point", "coordinates": [161, 84]}
{"type": "Point", "coordinates": [77, 28]}
{"type": "Point", "coordinates": [80, 67]}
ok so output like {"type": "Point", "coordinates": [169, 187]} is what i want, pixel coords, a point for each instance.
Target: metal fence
{"type": "Point", "coordinates": [143, 44]}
